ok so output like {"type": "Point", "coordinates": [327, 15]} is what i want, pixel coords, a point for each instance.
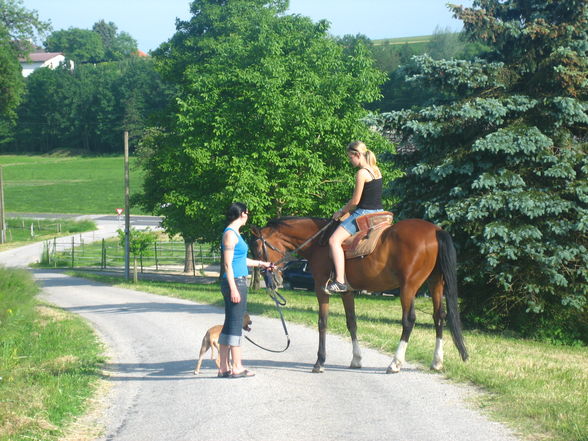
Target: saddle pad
{"type": "Point", "coordinates": [371, 226]}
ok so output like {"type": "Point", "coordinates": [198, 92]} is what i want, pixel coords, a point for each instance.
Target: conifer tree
{"type": "Point", "coordinates": [500, 161]}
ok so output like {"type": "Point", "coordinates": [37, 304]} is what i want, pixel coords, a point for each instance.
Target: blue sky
{"type": "Point", "coordinates": [151, 22]}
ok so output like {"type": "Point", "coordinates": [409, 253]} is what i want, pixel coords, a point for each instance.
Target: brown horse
{"type": "Point", "coordinates": [408, 253]}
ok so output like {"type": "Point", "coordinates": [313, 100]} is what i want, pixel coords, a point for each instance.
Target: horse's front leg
{"type": "Point", "coordinates": [349, 305]}
{"type": "Point", "coordinates": [408, 320]}
{"type": "Point", "coordinates": [323, 300]}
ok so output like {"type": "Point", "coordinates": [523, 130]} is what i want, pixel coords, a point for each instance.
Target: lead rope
{"type": "Point", "coordinates": [271, 286]}
{"type": "Point", "coordinates": [279, 301]}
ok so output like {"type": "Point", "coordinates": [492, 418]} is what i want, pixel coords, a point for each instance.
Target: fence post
{"type": "Point", "coordinates": [103, 256]}
{"type": "Point", "coordinates": [54, 252]}
{"type": "Point", "coordinates": [156, 266]}
{"type": "Point", "coordinates": [32, 230]}
{"type": "Point", "coordinates": [141, 261]}
{"type": "Point", "coordinates": [73, 243]}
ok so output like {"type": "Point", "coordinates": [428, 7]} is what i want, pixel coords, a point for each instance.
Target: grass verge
{"type": "Point", "coordinates": [49, 363]}
{"type": "Point", "coordinates": [539, 390]}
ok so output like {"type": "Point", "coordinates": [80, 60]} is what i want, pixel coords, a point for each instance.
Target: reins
{"type": "Point", "coordinates": [272, 286]}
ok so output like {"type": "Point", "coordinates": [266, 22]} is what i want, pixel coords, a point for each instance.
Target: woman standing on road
{"type": "Point", "coordinates": [366, 198]}
{"type": "Point", "coordinates": [234, 290]}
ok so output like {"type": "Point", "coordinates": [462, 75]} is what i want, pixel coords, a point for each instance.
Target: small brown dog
{"type": "Point", "coordinates": [210, 341]}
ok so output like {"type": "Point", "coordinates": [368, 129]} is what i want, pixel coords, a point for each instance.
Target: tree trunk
{"type": "Point", "coordinates": [256, 282]}
{"type": "Point", "coordinates": [188, 262]}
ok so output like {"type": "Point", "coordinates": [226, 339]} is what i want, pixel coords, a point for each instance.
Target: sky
{"type": "Point", "coordinates": [152, 22]}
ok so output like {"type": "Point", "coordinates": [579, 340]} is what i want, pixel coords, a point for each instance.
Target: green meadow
{"type": "Point", "coordinates": [67, 184]}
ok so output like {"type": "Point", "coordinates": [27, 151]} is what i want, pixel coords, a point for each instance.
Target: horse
{"type": "Point", "coordinates": [408, 253]}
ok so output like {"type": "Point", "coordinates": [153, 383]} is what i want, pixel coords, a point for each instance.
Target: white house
{"type": "Point", "coordinates": [37, 60]}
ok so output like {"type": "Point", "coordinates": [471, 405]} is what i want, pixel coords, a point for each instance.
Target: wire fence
{"type": "Point", "coordinates": [19, 229]}
{"type": "Point", "coordinates": [161, 256]}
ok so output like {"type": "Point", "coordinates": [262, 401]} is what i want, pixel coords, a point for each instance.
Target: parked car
{"type": "Point", "coordinates": [296, 274]}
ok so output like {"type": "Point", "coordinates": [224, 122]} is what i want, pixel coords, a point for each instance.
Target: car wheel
{"type": "Point", "coordinates": [286, 285]}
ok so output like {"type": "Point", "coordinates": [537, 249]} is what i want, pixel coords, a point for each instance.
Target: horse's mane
{"type": "Point", "coordinates": [284, 221]}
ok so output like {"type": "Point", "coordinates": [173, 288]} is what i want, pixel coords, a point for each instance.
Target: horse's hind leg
{"type": "Point", "coordinates": [436, 288]}
{"type": "Point", "coordinates": [349, 304]}
{"type": "Point", "coordinates": [407, 294]}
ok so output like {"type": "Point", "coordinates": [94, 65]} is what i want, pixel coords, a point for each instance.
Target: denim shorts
{"type": "Point", "coordinates": [350, 225]}
{"type": "Point", "coordinates": [234, 312]}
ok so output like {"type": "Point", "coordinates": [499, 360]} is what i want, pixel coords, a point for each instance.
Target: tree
{"type": "Point", "coordinates": [19, 28]}
{"type": "Point", "coordinates": [90, 107]}
{"type": "Point", "coordinates": [267, 103]}
{"type": "Point", "coordinates": [117, 46]}
{"type": "Point", "coordinates": [139, 242]}
{"type": "Point", "coordinates": [503, 164]}
{"type": "Point", "coordinates": [81, 45]}
{"type": "Point", "coordinates": [444, 44]}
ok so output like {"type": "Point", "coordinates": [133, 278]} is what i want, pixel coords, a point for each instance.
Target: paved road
{"type": "Point", "coordinates": [153, 342]}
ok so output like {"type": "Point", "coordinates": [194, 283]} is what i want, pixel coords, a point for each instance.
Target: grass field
{"type": "Point", "coordinates": [66, 184]}
{"type": "Point", "coordinates": [539, 390]}
{"type": "Point", "coordinates": [21, 231]}
{"type": "Point", "coordinates": [49, 363]}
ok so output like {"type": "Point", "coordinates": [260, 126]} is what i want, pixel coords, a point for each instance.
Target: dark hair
{"type": "Point", "coordinates": [235, 211]}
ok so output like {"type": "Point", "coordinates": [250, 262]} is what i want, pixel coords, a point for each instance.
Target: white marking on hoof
{"type": "Point", "coordinates": [437, 363]}
{"type": "Point", "coordinates": [394, 367]}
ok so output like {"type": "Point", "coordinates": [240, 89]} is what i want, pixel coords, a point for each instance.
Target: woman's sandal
{"type": "Point", "coordinates": [243, 374]}
{"type": "Point", "coordinates": [226, 374]}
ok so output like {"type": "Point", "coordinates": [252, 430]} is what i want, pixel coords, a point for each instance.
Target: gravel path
{"type": "Point", "coordinates": [153, 343]}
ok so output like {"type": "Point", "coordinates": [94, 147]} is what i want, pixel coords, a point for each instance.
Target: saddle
{"type": "Point", "coordinates": [371, 226]}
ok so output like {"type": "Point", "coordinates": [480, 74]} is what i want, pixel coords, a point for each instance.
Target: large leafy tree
{"type": "Point", "coordinates": [501, 162]}
{"type": "Point", "coordinates": [81, 45]}
{"type": "Point", "coordinates": [266, 104]}
{"type": "Point", "coordinates": [117, 45]}
{"type": "Point", "coordinates": [19, 27]}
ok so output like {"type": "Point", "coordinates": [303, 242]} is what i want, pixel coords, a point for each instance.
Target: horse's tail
{"type": "Point", "coordinates": [447, 263]}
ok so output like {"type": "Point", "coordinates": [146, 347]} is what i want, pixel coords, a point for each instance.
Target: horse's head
{"type": "Point", "coordinates": [266, 244]}
{"type": "Point", "coordinates": [288, 234]}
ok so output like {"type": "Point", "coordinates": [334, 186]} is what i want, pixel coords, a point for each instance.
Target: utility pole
{"type": "Point", "coordinates": [127, 215]}
{"type": "Point", "coordinates": [2, 217]}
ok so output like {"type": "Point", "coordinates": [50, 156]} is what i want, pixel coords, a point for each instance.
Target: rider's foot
{"type": "Point", "coordinates": [335, 287]}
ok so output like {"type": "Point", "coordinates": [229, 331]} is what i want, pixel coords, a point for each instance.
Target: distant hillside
{"type": "Point", "coordinates": [403, 40]}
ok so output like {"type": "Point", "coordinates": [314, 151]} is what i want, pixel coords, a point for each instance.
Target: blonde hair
{"type": "Point", "coordinates": [361, 148]}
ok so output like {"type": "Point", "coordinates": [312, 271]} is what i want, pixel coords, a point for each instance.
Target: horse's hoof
{"type": "Point", "coordinates": [394, 368]}
{"type": "Point", "coordinates": [437, 366]}
{"type": "Point", "coordinates": [318, 370]}
{"type": "Point", "coordinates": [355, 366]}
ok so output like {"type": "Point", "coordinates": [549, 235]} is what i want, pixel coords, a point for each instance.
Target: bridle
{"type": "Point", "coordinates": [271, 283]}
{"type": "Point", "coordinates": [286, 254]}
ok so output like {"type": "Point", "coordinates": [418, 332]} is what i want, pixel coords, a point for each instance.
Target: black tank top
{"type": "Point", "coordinates": [371, 197]}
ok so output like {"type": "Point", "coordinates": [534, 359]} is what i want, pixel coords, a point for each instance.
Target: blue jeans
{"type": "Point", "coordinates": [350, 225]}
{"type": "Point", "coordinates": [234, 312]}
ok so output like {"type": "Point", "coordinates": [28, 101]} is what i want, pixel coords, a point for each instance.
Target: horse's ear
{"type": "Point", "coordinates": [256, 231]}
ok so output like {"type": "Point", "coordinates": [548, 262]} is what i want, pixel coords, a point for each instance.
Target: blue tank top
{"type": "Point", "coordinates": [239, 263]}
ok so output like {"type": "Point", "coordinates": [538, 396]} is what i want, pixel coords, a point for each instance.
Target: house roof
{"type": "Point", "coordinates": [37, 57]}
